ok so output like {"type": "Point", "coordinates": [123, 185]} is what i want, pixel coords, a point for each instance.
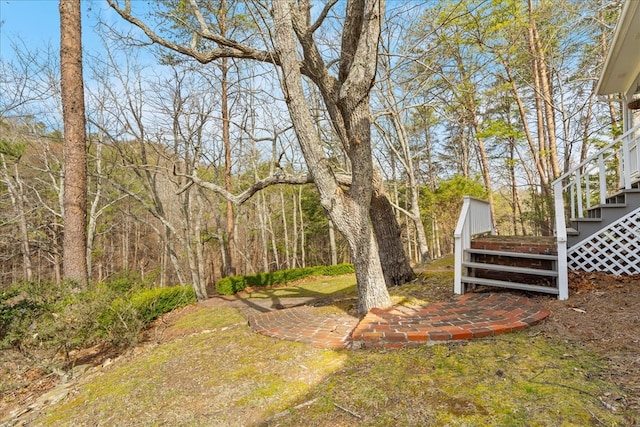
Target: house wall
{"type": "Point", "coordinates": [631, 117]}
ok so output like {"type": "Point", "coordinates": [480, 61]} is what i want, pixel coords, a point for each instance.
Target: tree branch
{"type": "Point", "coordinates": [230, 48]}
{"type": "Point", "coordinates": [359, 45]}
{"type": "Point", "coordinates": [239, 199]}
{"type": "Point", "coordinates": [323, 15]}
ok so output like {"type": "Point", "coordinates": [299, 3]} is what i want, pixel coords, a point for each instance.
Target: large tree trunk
{"type": "Point", "coordinates": [395, 264]}
{"type": "Point", "coordinates": [75, 156]}
{"type": "Point", "coordinates": [545, 88]}
{"type": "Point", "coordinates": [349, 210]}
{"type": "Point", "coordinates": [346, 97]}
{"type": "Point", "coordinates": [229, 248]}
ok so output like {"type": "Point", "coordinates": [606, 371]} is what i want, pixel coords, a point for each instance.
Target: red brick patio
{"type": "Point", "coordinates": [474, 315]}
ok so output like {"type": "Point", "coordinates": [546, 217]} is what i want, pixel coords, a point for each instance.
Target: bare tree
{"type": "Point", "coordinates": [346, 98]}
{"type": "Point", "coordinates": [10, 154]}
{"type": "Point", "coordinates": [75, 151]}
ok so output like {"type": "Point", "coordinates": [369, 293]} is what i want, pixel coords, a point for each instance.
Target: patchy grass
{"type": "Point", "coordinates": [521, 380]}
{"type": "Point", "coordinates": [311, 287]}
{"type": "Point", "coordinates": [226, 375]}
{"type": "Point", "coordinates": [205, 318]}
{"type": "Point", "coordinates": [442, 262]}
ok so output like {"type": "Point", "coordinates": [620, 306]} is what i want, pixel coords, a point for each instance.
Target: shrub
{"type": "Point", "coordinates": [62, 317]}
{"type": "Point", "coordinates": [151, 303]}
{"type": "Point", "coordinates": [17, 314]}
{"type": "Point", "coordinates": [122, 321]}
{"type": "Point", "coordinates": [231, 285]}
{"type": "Point", "coordinates": [127, 282]}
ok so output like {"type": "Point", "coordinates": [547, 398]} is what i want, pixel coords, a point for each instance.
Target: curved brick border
{"type": "Point", "coordinates": [306, 324]}
{"type": "Point", "coordinates": [465, 317]}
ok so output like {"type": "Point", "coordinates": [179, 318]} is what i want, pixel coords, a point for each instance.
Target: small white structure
{"type": "Point", "coordinates": [605, 218]}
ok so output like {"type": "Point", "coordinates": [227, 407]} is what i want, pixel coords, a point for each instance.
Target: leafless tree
{"type": "Point", "coordinates": [75, 150]}
{"type": "Point", "coordinates": [292, 47]}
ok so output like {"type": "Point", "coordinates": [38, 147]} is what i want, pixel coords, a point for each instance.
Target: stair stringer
{"type": "Point", "coordinates": [614, 249]}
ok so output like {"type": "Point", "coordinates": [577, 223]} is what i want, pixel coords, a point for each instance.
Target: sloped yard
{"type": "Point", "coordinates": [201, 365]}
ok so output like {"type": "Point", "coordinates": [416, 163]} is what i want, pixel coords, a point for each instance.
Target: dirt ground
{"type": "Point", "coordinates": [602, 315]}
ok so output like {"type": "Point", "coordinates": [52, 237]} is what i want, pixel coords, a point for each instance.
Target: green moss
{"type": "Point", "coordinates": [231, 285]}
{"type": "Point", "coordinates": [515, 381]}
{"type": "Point", "coordinates": [436, 277]}
{"type": "Point", "coordinates": [442, 262]}
{"type": "Point", "coordinates": [208, 318]}
{"type": "Point", "coordinates": [181, 381]}
{"type": "Point", "coordinates": [320, 287]}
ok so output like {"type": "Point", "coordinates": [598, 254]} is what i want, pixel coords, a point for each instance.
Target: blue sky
{"type": "Point", "coordinates": [37, 23]}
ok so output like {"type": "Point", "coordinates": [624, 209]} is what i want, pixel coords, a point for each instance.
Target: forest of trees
{"type": "Point", "coordinates": [195, 165]}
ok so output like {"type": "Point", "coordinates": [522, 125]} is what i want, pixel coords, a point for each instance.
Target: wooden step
{"type": "Point", "coordinates": [596, 211]}
{"type": "Point", "coordinates": [511, 254]}
{"type": "Point", "coordinates": [608, 205]}
{"type": "Point", "coordinates": [620, 194]}
{"type": "Point", "coordinates": [572, 232]}
{"type": "Point", "coordinates": [509, 285]}
{"type": "Point", "coordinates": [511, 269]}
{"type": "Point", "coordinates": [585, 219]}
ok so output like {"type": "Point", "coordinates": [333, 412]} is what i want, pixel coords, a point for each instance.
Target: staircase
{"type": "Point", "coordinates": [514, 262]}
{"type": "Point", "coordinates": [602, 197]}
{"type": "Point", "coordinates": [617, 205]}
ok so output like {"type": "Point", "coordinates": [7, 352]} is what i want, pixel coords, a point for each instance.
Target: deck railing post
{"type": "Point", "coordinates": [635, 136]}
{"type": "Point", "coordinates": [578, 179]}
{"type": "Point", "coordinates": [460, 242]}
{"type": "Point", "coordinates": [475, 218]}
{"type": "Point", "coordinates": [626, 162]}
{"type": "Point", "coordinates": [561, 239]}
{"type": "Point", "coordinates": [603, 179]}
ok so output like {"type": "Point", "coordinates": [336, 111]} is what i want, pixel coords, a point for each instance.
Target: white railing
{"type": "Point", "coordinates": [613, 167]}
{"type": "Point", "coordinates": [561, 241]}
{"type": "Point", "coordinates": [590, 182]}
{"type": "Point", "coordinates": [475, 218]}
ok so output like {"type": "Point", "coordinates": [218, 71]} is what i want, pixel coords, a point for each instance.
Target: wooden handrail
{"type": "Point", "coordinates": [475, 218]}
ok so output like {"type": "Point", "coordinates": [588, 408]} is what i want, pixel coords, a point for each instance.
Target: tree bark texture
{"type": "Point", "coordinates": [75, 153]}
{"type": "Point", "coordinates": [230, 268]}
{"type": "Point", "coordinates": [395, 264]}
{"type": "Point", "coordinates": [348, 102]}
{"type": "Point", "coordinates": [345, 96]}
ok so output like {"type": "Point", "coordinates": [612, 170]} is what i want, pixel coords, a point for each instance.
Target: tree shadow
{"type": "Point", "coordinates": [278, 298]}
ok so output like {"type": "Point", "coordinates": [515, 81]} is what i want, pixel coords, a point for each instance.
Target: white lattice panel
{"type": "Point", "coordinates": [614, 250]}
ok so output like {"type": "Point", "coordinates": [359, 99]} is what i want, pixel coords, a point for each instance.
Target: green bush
{"type": "Point", "coordinates": [17, 314]}
{"type": "Point", "coordinates": [126, 282]}
{"type": "Point", "coordinates": [151, 303]}
{"type": "Point", "coordinates": [120, 323]}
{"type": "Point", "coordinates": [62, 317]}
{"type": "Point", "coordinates": [231, 285]}
{"type": "Point", "coordinates": [124, 318]}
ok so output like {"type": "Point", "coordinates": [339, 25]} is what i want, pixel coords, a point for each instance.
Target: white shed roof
{"type": "Point", "coordinates": [622, 65]}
